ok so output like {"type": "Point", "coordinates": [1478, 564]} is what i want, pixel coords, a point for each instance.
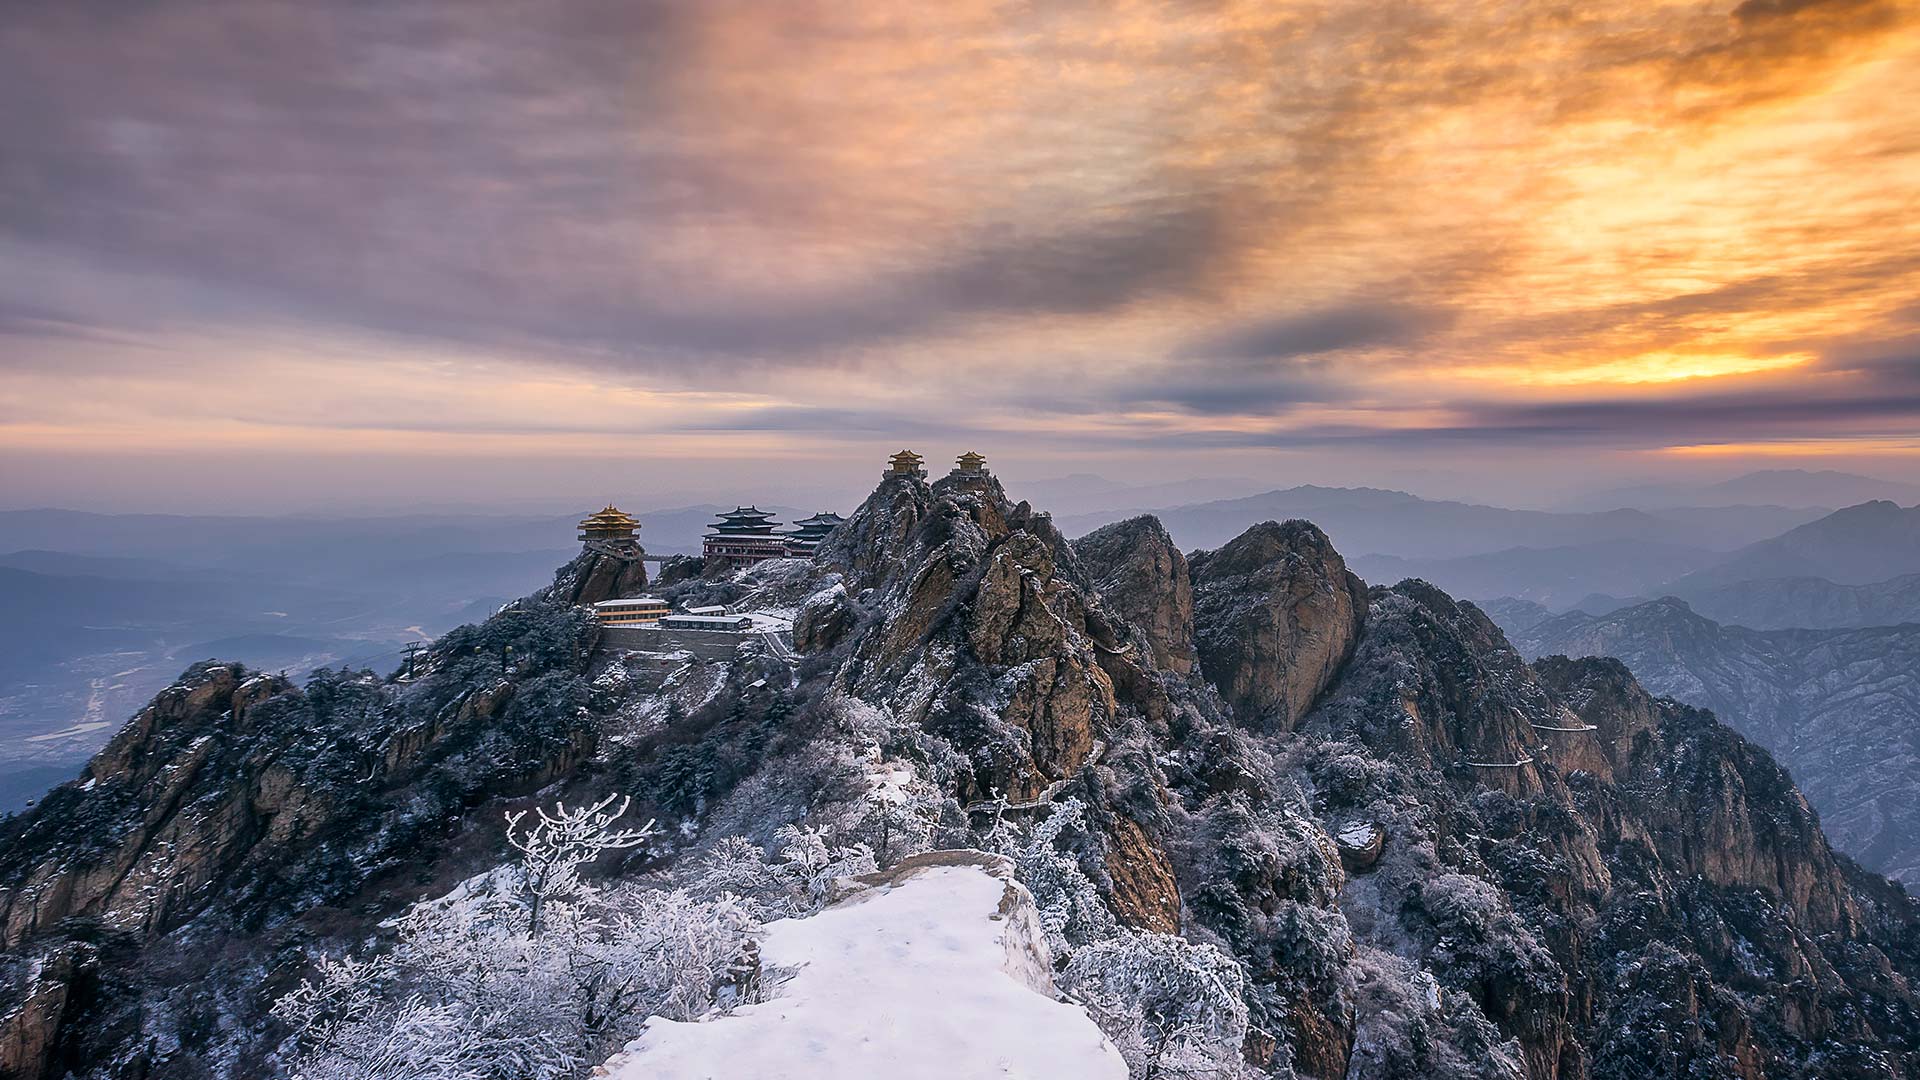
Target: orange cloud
{"type": "Point", "coordinates": [1235, 220]}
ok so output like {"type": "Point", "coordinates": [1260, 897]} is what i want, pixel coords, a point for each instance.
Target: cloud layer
{"type": "Point", "coordinates": [1647, 227]}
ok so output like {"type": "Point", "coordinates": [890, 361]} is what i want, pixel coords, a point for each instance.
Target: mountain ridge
{"type": "Point", "coordinates": [1841, 706]}
{"type": "Point", "coordinates": [1547, 835]}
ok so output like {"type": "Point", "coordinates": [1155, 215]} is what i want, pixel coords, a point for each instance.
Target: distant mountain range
{"type": "Point", "coordinates": [1769, 487]}
{"type": "Point", "coordinates": [1858, 566]}
{"type": "Point", "coordinates": [103, 608]}
{"type": "Point", "coordinates": [1086, 493]}
{"type": "Point", "coordinates": [1809, 602]}
{"type": "Point", "coordinates": [1373, 521]}
{"type": "Point", "coordinates": [1558, 577]}
{"type": "Point", "coordinates": [1859, 545]}
{"type": "Point", "coordinates": [1839, 708]}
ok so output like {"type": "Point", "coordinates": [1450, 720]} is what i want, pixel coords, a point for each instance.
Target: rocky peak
{"type": "Point", "coordinates": [1143, 577]}
{"type": "Point", "coordinates": [131, 841]}
{"type": "Point", "coordinates": [1445, 688]}
{"type": "Point", "coordinates": [1601, 695]}
{"type": "Point", "coordinates": [1276, 613]}
{"type": "Point", "coordinates": [876, 541]}
{"type": "Point", "coordinates": [971, 614]}
{"type": "Point", "coordinates": [601, 572]}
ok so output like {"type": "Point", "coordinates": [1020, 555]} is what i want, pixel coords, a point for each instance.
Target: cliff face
{"type": "Point", "coordinates": [1659, 894]}
{"type": "Point", "coordinates": [1277, 615]}
{"type": "Point", "coordinates": [1841, 708]}
{"type": "Point", "coordinates": [1144, 578]}
{"type": "Point", "coordinates": [141, 869]}
{"type": "Point", "coordinates": [1431, 858]}
{"type": "Point", "coordinates": [236, 812]}
{"type": "Point", "coordinates": [602, 572]}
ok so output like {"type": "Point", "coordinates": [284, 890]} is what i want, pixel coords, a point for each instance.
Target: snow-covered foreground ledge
{"type": "Point", "coordinates": [938, 970]}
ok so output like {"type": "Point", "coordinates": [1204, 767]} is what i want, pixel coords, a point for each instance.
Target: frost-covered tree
{"type": "Point", "coordinates": [340, 994]}
{"type": "Point", "coordinates": [894, 825]}
{"type": "Point", "coordinates": [736, 866]}
{"type": "Point", "coordinates": [417, 1041]}
{"type": "Point", "coordinates": [812, 863]}
{"type": "Point", "coordinates": [668, 954]}
{"type": "Point", "coordinates": [477, 988]}
{"type": "Point", "coordinates": [1070, 907]}
{"type": "Point", "coordinates": [1175, 1009]}
{"type": "Point", "coordinates": [557, 844]}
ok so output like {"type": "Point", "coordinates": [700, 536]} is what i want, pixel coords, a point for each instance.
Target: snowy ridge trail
{"type": "Point", "coordinates": [936, 969]}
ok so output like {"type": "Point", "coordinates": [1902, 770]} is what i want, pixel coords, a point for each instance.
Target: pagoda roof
{"type": "Point", "coordinates": [744, 520]}
{"type": "Point", "coordinates": [814, 529]}
{"type": "Point", "coordinates": [970, 461]}
{"type": "Point", "coordinates": [610, 518]}
{"type": "Point", "coordinates": [906, 456]}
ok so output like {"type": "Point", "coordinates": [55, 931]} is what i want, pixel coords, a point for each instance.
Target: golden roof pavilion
{"type": "Point", "coordinates": [608, 524]}
{"type": "Point", "coordinates": [905, 463]}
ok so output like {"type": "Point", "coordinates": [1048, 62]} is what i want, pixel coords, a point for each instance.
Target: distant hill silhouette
{"type": "Point", "coordinates": [1859, 545]}
{"type": "Point", "coordinates": [1376, 521]}
{"type": "Point", "coordinates": [1778, 487]}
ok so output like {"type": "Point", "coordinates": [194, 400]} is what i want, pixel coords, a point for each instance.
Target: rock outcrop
{"type": "Point", "coordinates": [602, 572]}
{"type": "Point", "coordinates": [973, 617]}
{"type": "Point", "coordinates": [240, 809]}
{"type": "Point", "coordinates": [1143, 578]}
{"type": "Point", "coordinates": [1840, 708]}
{"type": "Point", "coordinates": [1276, 614]}
{"type": "Point", "coordinates": [1650, 890]}
{"type": "Point", "coordinates": [171, 840]}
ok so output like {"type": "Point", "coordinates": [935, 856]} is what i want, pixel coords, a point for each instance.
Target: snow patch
{"type": "Point", "coordinates": [925, 977]}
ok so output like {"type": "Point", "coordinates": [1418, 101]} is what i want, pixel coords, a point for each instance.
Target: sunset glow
{"type": "Point", "coordinates": [1229, 230]}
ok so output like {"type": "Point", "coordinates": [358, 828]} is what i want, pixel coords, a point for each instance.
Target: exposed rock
{"type": "Point", "coordinates": [1607, 714]}
{"type": "Point", "coordinates": [238, 805]}
{"type": "Point", "coordinates": [1676, 848]}
{"type": "Point", "coordinates": [1840, 708]}
{"type": "Point", "coordinates": [40, 996]}
{"type": "Point", "coordinates": [876, 542]}
{"type": "Point", "coordinates": [1143, 578]}
{"type": "Point", "coordinates": [1276, 614]}
{"type": "Point", "coordinates": [824, 620]}
{"type": "Point", "coordinates": [1146, 894]}
{"type": "Point", "coordinates": [163, 857]}
{"type": "Point", "coordinates": [679, 569]}
{"type": "Point", "coordinates": [1360, 844]}
{"type": "Point", "coordinates": [985, 603]}
{"type": "Point", "coordinates": [601, 572]}
{"type": "Point", "coordinates": [1460, 697]}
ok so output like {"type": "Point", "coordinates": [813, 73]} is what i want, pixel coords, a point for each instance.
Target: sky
{"type": "Point", "coordinates": [269, 255]}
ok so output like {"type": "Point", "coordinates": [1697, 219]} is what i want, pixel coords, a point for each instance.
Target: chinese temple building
{"type": "Point", "coordinates": [610, 528]}
{"type": "Point", "coordinates": [807, 533]}
{"type": "Point", "coordinates": [904, 463]}
{"type": "Point", "coordinates": [744, 536]}
{"type": "Point", "coordinates": [970, 465]}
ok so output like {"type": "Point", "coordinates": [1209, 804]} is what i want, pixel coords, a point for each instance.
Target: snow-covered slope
{"type": "Point", "coordinates": [940, 973]}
